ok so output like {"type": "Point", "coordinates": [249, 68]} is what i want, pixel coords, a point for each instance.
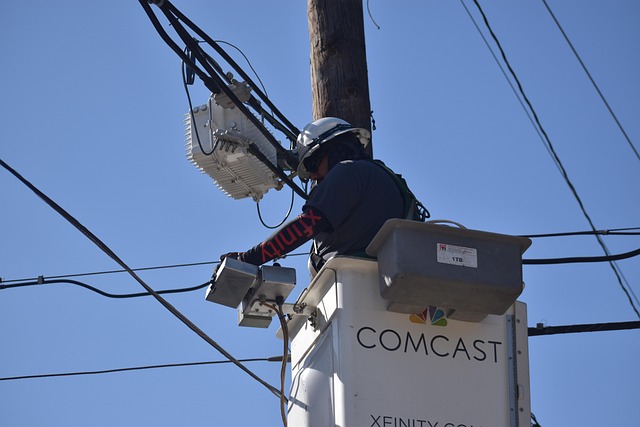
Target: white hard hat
{"type": "Point", "coordinates": [320, 131]}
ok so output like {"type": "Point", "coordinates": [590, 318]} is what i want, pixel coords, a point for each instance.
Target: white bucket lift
{"type": "Point", "coordinates": [416, 338]}
{"type": "Point", "coordinates": [358, 364]}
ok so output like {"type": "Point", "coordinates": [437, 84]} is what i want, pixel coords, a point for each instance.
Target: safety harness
{"type": "Point", "coordinates": [413, 209]}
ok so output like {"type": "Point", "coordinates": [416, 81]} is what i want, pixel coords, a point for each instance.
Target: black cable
{"type": "Point", "coordinates": [174, 17]}
{"type": "Point", "coordinates": [627, 290]}
{"type": "Point", "coordinates": [93, 238]}
{"type": "Point", "coordinates": [44, 281]}
{"type": "Point", "coordinates": [534, 421]}
{"type": "Point", "coordinates": [216, 84]}
{"type": "Point", "coordinates": [283, 368]}
{"type": "Point", "coordinates": [593, 327]}
{"type": "Point", "coordinates": [213, 70]}
{"type": "Point", "coordinates": [271, 227]}
{"type": "Point", "coordinates": [504, 73]}
{"type": "Point", "coordinates": [253, 149]}
{"type": "Point", "coordinates": [545, 139]}
{"type": "Point", "coordinates": [98, 273]}
{"type": "Point", "coordinates": [50, 279]}
{"type": "Point", "coordinates": [277, 308]}
{"type": "Point", "coordinates": [264, 89]}
{"type": "Point", "coordinates": [545, 261]}
{"type": "Point", "coordinates": [584, 67]}
{"type": "Point", "coordinates": [607, 258]}
{"type": "Point", "coordinates": [253, 102]}
{"type": "Point", "coordinates": [208, 82]}
{"type": "Point", "coordinates": [612, 232]}
{"type": "Point", "coordinates": [295, 131]}
{"type": "Point", "coordinates": [191, 115]}
{"type": "Point", "coordinates": [138, 368]}
{"type": "Point", "coordinates": [371, 16]}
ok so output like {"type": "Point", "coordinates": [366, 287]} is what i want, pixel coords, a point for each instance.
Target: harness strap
{"type": "Point", "coordinates": [413, 209]}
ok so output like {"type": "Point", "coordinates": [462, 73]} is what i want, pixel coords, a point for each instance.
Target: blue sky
{"type": "Point", "coordinates": [92, 113]}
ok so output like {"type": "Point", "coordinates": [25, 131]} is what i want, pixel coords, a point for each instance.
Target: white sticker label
{"type": "Point", "coordinates": [457, 255]}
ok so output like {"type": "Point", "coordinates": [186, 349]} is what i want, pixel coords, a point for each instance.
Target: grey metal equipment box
{"type": "Point", "coordinates": [471, 273]}
{"type": "Point", "coordinates": [231, 282]}
{"type": "Point", "coordinates": [253, 290]}
{"type": "Point", "coordinates": [271, 283]}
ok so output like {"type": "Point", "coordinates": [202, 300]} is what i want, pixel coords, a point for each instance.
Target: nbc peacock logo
{"type": "Point", "coordinates": [433, 315]}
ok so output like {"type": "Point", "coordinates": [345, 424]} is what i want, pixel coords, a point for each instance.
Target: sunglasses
{"type": "Point", "coordinates": [311, 164]}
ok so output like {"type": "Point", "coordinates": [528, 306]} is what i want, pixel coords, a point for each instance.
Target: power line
{"type": "Point", "coordinates": [538, 330]}
{"type": "Point", "coordinates": [73, 221]}
{"type": "Point", "coordinates": [43, 281]}
{"type": "Point", "coordinates": [607, 258]}
{"type": "Point", "coordinates": [216, 81]}
{"type": "Point", "coordinates": [611, 232]}
{"type": "Point", "coordinates": [97, 273]}
{"type": "Point", "coordinates": [138, 368]}
{"type": "Point", "coordinates": [584, 67]}
{"type": "Point", "coordinates": [572, 329]}
{"type": "Point", "coordinates": [504, 73]}
{"type": "Point", "coordinates": [627, 231]}
{"type": "Point", "coordinates": [628, 291]}
{"type": "Point", "coordinates": [544, 261]}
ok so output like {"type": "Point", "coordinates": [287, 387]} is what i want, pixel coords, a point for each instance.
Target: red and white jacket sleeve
{"type": "Point", "coordinates": [289, 237]}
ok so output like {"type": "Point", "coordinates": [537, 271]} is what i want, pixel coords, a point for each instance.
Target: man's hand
{"type": "Point", "coordinates": [234, 255]}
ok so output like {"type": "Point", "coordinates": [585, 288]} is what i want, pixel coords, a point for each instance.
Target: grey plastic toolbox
{"type": "Point", "coordinates": [472, 273]}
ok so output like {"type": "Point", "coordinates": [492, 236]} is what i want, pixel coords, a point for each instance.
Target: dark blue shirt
{"type": "Point", "coordinates": [357, 197]}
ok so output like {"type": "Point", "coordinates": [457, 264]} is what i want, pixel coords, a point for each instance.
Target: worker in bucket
{"type": "Point", "coordinates": [351, 199]}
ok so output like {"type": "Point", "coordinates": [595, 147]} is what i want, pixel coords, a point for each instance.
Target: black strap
{"type": "Point", "coordinates": [409, 199]}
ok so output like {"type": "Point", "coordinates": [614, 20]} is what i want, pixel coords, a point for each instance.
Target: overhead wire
{"type": "Point", "coordinates": [593, 82]}
{"type": "Point", "coordinates": [610, 232]}
{"type": "Point", "coordinates": [216, 74]}
{"type": "Point", "coordinates": [625, 231]}
{"type": "Point", "coordinates": [627, 290]}
{"type": "Point", "coordinates": [179, 15]}
{"type": "Point", "coordinates": [46, 281]}
{"type": "Point", "coordinates": [271, 117]}
{"type": "Point", "coordinates": [504, 73]}
{"type": "Point", "coordinates": [264, 89]}
{"type": "Point", "coordinates": [43, 281]}
{"type": "Point", "coordinates": [605, 258]}
{"type": "Point", "coordinates": [93, 238]}
{"type": "Point", "coordinates": [592, 327]}
{"type": "Point", "coordinates": [206, 79]}
{"type": "Point", "coordinates": [214, 81]}
{"type": "Point", "coordinates": [98, 273]}
{"type": "Point", "coordinates": [538, 330]}
{"type": "Point", "coordinates": [137, 368]}
{"type": "Point", "coordinates": [151, 292]}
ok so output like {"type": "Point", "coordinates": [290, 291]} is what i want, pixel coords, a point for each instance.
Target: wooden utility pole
{"type": "Point", "coordinates": [339, 81]}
